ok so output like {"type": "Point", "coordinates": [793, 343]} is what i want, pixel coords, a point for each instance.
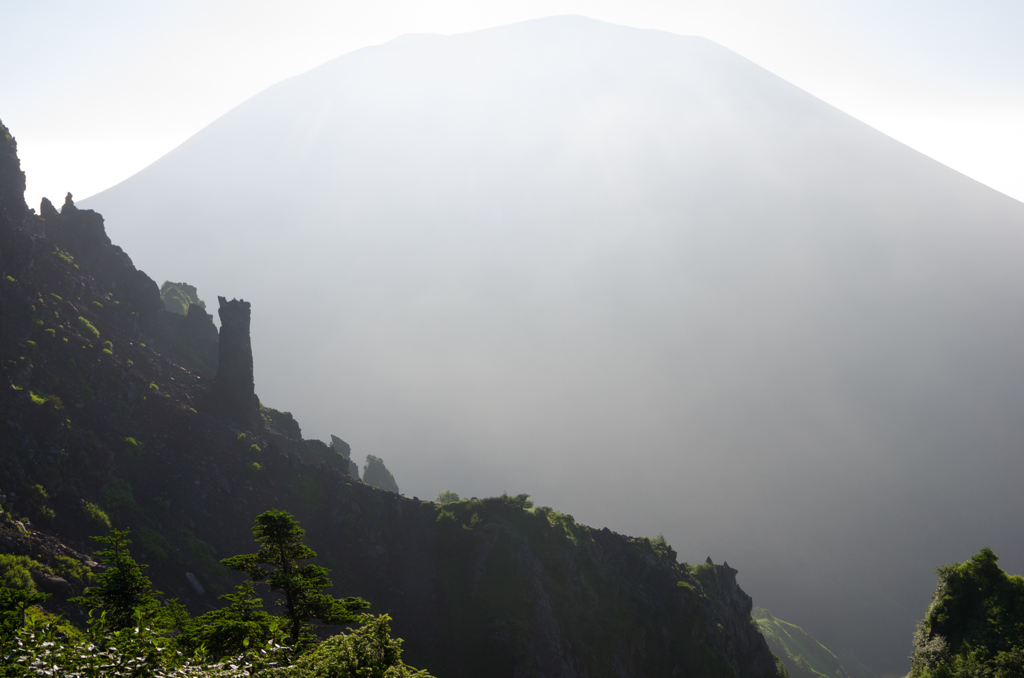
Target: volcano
{"type": "Point", "coordinates": [638, 277]}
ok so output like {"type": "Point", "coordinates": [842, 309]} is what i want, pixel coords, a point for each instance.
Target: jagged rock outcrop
{"type": "Point", "coordinates": [345, 450]}
{"type": "Point", "coordinates": [282, 423]}
{"type": "Point", "coordinates": [234, 393]}
{"type": "Point", "coordinates": [81, 229]}
{"type": "Point", "coordinates": [82, 234]}
{"type": "Point", "coordinates": [376, 474]}
{"type": "Point", "coordinates": [740, 639]}
{"type": "Point", "coordinates": [194, 337]}
{"type": "Point", "coordinates": [12, 210]}
{"type": "Point", "coordinates": [12, 186]}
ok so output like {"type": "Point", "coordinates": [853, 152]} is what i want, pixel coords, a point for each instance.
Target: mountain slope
{"type": "Point", "coordinates": [638, 277]}
{"type": "Point", "coordinates": [104, 420]}
{"type": "Point", "coordinates": [800, 653]}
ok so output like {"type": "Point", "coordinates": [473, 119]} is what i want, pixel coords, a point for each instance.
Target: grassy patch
{"type": "Point", "coordinates": [132, 447]}
{"type": "Point", "coordinates": [96, 516]}
{"type": "Point", "coordinates": [87, 329]}
{"type": "Point", "coordinates": [43, 399]}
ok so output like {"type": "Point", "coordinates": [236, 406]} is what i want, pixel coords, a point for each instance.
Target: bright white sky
{"type": "Point", "coordinates": [96, 90]}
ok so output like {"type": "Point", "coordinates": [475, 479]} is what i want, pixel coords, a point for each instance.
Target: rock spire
{"type": "Point", "coordinates": [233, 393]}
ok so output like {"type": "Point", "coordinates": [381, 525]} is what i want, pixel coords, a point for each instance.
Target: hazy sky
{"type": "Point", "coordinates": [94, 91]}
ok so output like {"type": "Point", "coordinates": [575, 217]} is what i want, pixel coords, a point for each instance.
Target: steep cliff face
{"type": "Point", "coordinates": [494, 587]}
{"type": "Point", "coordinates": [102, 422]}
{"type": "Point", "coordinates": [194, 337]}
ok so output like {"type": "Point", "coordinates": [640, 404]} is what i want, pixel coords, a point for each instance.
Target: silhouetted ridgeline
{"type": "Point", "coordinates": [105, 419]}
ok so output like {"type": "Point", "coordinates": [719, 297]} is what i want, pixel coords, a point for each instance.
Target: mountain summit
{"type": "Point", "coordinates": [639, 277]}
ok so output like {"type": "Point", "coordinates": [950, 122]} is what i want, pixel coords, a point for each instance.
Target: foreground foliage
{"type": "Point", "coordinates": [366, 652]}
{"type": "Point", "coordinates": [133, 632]}
{"type": "Point", "coordinates": [974, 627]}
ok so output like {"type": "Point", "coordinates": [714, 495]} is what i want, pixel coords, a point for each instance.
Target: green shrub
{"type": "Point", "coordinates": [43, 399]}
{"type": "Point", "coordinates": [446, 497]}
{"type": "Point", "coordinates": [96, 516]}
{"type": "Point", "coordinates": [118, 497]}
{"type": "Point", "coordinates": [16, 571]}
{"type": "Point", "coordinates": [52, 333]}
{"type": "Point", "coordinates": [177, 297]}
{"type": "Point", "coordinates": [520, 501]}
{"type": "Point", "coordinates": [152, 543]}
{"type": "Point", "coordinates": [45, 514]}
{"type": "Point", "coordinates": [243, 626]}
{"type": "Point", "coordinates": [69, 568]}
{"type": "Point", "coordinates": [254, 449]}
{"type": "Point", "coordinates": [87, 329]}
{"type": "Point", "coordinates": [975, 623]}
{"type": "Point", "coordinates": [132, 447]}
{"type": "Point", "coordinates": [37, 497]}
{"type": "Point", "coordinates": [368, 651]}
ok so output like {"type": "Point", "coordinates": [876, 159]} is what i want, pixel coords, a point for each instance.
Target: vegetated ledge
{"type": "Point", "coordinates": [103, 422]}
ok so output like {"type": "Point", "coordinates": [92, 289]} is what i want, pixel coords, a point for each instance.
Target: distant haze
{"type": "Point", "coordinates": [641, 279]}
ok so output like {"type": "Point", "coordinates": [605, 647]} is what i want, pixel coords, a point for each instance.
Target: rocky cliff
{"type": "Point", "coordinates": [104, 422]}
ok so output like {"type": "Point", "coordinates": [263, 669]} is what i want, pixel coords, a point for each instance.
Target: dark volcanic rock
{"type": "Point", "coordinates": [85, 227]}
{"type": "Point", "coordinates": [345, 450]}
{"type": "Point", "coordinates": [12, 208]}
{"type": "Point", "coordinates": [234, 393]}
{"type": "Point", "coordinates": [376, 474]}
{"type": "Point", "coordinates": [193, 337]}
{"type": "Point", "coordinates": [49, 583]}
{"type": "Point", "coordinates": [12, 184]}
{"type": "Point", "coordinates": [81, 234]}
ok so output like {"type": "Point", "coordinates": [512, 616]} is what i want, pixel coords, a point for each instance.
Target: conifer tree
{"type": "Point", "coordinates": [123, 596]}
{"type": "Point", "coordinates": [279, 563]}
{"type": "Point", "coordinates": [230, 630]}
